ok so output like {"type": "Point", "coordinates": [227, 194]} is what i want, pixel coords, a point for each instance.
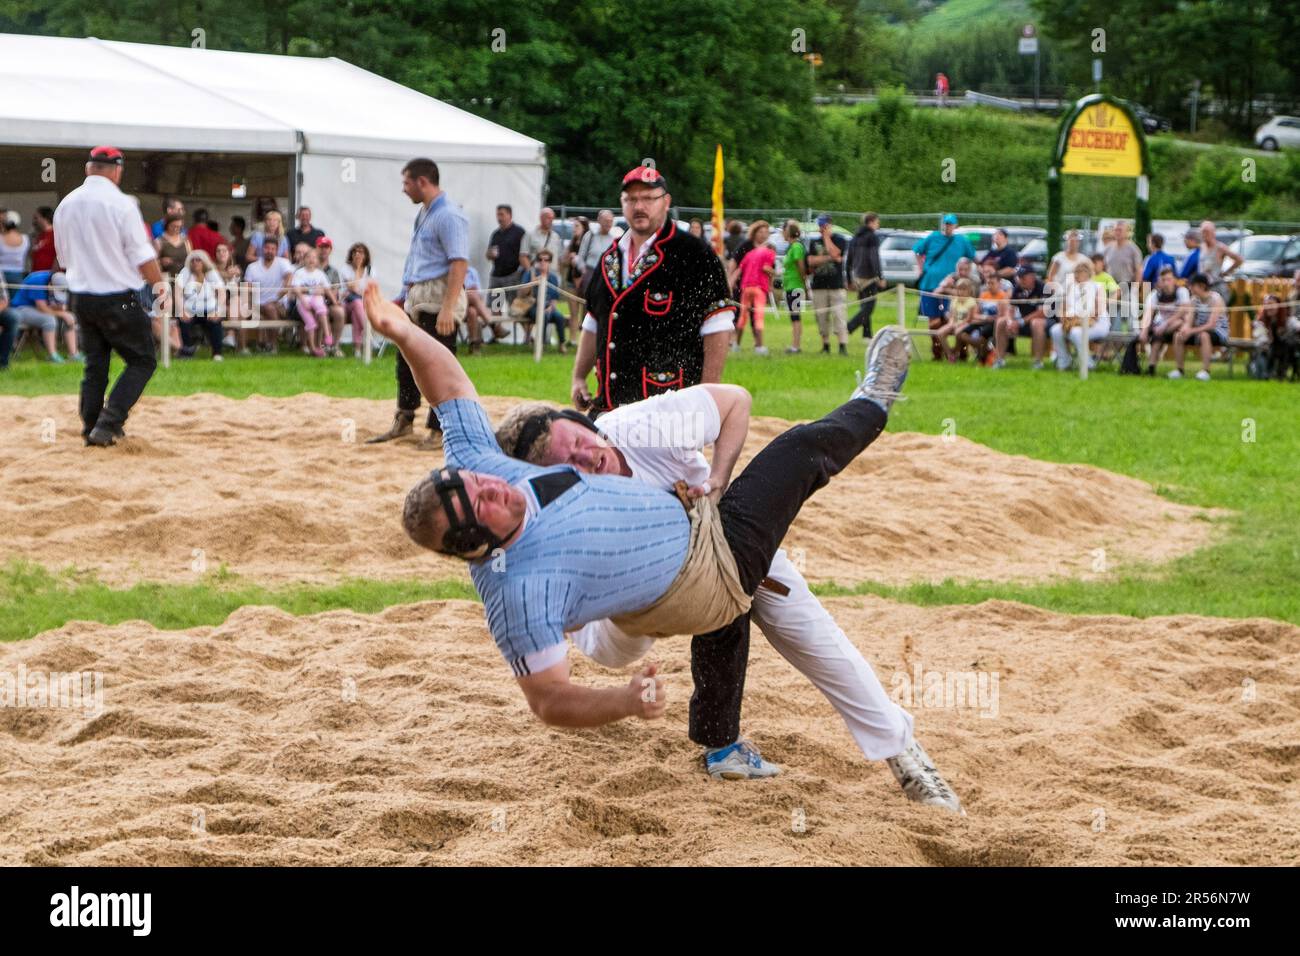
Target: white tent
{"type": "Point", "coordinates": [348, 132]}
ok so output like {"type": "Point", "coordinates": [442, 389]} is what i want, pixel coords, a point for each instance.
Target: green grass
{"type": "Point", "coordinates": [34, 599]}
{"type": "Point", "coordinates": [1185, 438]}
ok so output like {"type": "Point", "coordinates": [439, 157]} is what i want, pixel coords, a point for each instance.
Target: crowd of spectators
{"type": "Point", "coordinates": [975, 305]}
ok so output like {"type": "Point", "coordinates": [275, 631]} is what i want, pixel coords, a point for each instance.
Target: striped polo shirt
{"type": "Point", "coordinates": [608, 545]}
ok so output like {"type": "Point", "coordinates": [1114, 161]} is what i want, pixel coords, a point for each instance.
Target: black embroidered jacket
{"type": "Point", "coordinates": [648, 334]}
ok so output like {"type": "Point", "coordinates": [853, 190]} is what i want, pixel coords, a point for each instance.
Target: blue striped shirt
{"type": "Point", "coordinates": [441, 234]}
{"type": "Point", "coordinates": [607, 546]}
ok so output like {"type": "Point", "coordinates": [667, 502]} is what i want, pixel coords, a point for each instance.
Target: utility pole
{"type": "Point", "coordinates": [1196, 97]}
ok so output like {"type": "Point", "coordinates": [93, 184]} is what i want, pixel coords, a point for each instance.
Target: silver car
{"type": "Point", "coordinates": [897, 260]}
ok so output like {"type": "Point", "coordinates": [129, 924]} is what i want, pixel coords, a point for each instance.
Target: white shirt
{"type": "Point", "coordinates": [723, 321]}
{"type": "Point", "coordinates": [310, 279]}
{"type": "Point", "coordinates": [347, 274]}
{"type": "Point", "coordinates": [1066, 264]}
{"type": "Point", "coordinates": [1164, 311]}
{"type": "Point", "coordinates": [662, 438]}
{"type": "Point", "coordinates": [101, 238]}
{"type": "Point", "coordinates": [200, 298]}
{"type": "Point", "coordinates": [269, 280]}
{"type": "Point", "coordinates": [14, 258]}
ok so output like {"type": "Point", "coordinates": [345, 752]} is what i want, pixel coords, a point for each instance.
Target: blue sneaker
{"type": "Point", "coordinates": [740, 761]}
{"type": "Point", "coordinates": [888, 357]}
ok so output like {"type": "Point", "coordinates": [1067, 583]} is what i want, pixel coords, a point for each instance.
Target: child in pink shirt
{"type": "Point", "coordinates": [756, 271]}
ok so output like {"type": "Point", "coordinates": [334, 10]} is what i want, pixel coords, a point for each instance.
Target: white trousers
{"type": "Point", "coordinates": [804, 633]}
{"type": "Point", "coordinates": [1097, 329]}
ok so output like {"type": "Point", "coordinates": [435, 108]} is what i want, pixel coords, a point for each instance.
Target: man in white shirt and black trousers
{"type": "Point", "coordinates": [104, 244]}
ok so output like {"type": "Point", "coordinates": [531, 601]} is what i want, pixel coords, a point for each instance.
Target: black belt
{"type": "Point", "coordinates": [129, 293]}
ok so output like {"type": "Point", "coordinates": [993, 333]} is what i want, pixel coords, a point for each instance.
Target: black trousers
{"type": "Point", "coordinates": [865, 311]}
{"type": "Point", "coordinates": [408, 393]}
{"type": "Point", "coordinates": [8, 332]}
{"type": "Point", "coordinates": [757, 511]}
{"type": "Point", "coordinates": [193, 330]}
{"type": "Point", "coordinates": [107, 324]}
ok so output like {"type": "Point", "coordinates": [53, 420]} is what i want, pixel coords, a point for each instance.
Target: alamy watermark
{"type": "Point", "coordinates": [72, 690]}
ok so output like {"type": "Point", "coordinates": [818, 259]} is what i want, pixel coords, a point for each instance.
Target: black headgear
{"type": "Point", "coordinates": [535, 425]}
{"type": "Point", "coordinates": [464, 535]}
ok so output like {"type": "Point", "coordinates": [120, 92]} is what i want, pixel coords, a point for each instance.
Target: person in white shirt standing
{"type": "Point", "coordinates": [102, 241]}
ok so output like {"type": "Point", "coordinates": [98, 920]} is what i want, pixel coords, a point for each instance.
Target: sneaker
{"type": "Point", "coordinates": [826, 348]}
{"type": "Point", "coordinates": [1176, 373]}
{"type": "Point", "coordinates": [844, 349]}
{"type": "Point", "coordinates": [921, 782]}
{"type": "Point", "coordinates": [886, 367]}
{"type": "Point", "coordinates": [734, 348]}
{"type": "Point", "coordinates": [1202, 376]}
{"type": "Point", "coordinates": [760, 349]}
{"type": "Point", "coordinates": [740, 761]}
{"type": "Point", "coordinates": [999, 363]}
{"type": "Point", "coordinates": [1151, 371]}
{"type": "Point", "coordinates": [1092, 362]}
{"type": "Point", "coordinates": [401, 426]}
{"type": "Point", "coordinates": [1037, 366]}
{"type": "Point", "coordinates": [76, 357]}
{"type": "Point", "coordinates": [245, 352]}
{"type": "Point", "coordinates": [55, 358]}
{"type": "Point", "coordinates": [791, 350]}
{"type": "Point", "coordinates": [217, 358]}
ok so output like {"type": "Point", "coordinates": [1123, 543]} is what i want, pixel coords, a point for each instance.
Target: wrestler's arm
{"type": "Point", "coordinates": [560, 703]}
{"type": "Point", "coordinates": [436, 370]}
{"type": "Point", "coordinates": [733, 413]}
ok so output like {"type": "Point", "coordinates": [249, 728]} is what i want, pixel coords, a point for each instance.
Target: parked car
{"type": "Point", "coordinates": [897, 260]}
{"type": "Point", "coordinates": [1151, 123]}
{"type": "Point", "coordinates": [1279, 132]}
{"type": "Point", "coordinates": [1267, 256]}
{"type": "Point", "coordinates": [981, 237]}
{"type": "Point", "coordinates": [1034, 252]}
{"type": "Point", "coordinates": [1021, 236]}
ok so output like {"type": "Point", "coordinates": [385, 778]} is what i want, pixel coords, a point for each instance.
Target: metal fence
{"type": "Point", "coordinates": [919, 221]}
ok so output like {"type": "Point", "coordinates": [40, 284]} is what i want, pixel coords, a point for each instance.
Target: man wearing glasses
{"type": "Point", "coordinates": [658, 313]}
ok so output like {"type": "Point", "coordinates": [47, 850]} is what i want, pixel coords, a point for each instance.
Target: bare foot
{"type": "Point", "coordinates": [385, 317]}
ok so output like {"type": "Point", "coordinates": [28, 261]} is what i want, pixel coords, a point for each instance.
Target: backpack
{"type": "Point", "coordinates": [1129, 363]}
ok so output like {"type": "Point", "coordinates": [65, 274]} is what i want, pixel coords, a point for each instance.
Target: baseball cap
{"type": "Point", "coordinates": [950, 217]}
{"type": "Point", "coordinates": [824, 220]}
{"type": "Point", "coordinates": [59, 287]}
{"type": "Point", "coordinates": [647, 175]}
{"type": "Point", "coordinates": [106, 154]}
{"type": "Point", "coordinates": [324, 241]}
{"type": "Point", "coordinates": [1025, 271]}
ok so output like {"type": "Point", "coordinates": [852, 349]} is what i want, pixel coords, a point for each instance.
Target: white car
{"type": "Point", "coordinates": [897, 260]}
{"type": "Point", "coordinates": [1267, 256]}
{"type": "Point", "coordinates": [1278, 132]}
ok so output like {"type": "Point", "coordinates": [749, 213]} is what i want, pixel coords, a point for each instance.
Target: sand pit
{"type": "Point", "coordinates": [1115, 741]}
{"type": "Point", "coordinates": [283, 489]}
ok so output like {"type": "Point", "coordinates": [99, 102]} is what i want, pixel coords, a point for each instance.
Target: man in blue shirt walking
{"type": "Point", "coordinates": [433, 286]}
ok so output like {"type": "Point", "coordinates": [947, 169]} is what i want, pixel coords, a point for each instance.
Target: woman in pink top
{"type": "Point", "coordinates": [756, 271]}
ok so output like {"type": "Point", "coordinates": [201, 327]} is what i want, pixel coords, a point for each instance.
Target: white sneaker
{"type": "Point", "coordinates": [1203, 376]}
{"type": "Point", "coordinates": [1038, 366]}
{"type": "Point", "coordinates": [734, 348]}
{"type": "Point", "coordinates": [217, 358]}
{"type": "Point", "coordinates": [888, 357]}
{"type": "Point", "coordinates": [740, 761]}
{"type": "Point", "coordinates": [1176, 373]}
{"type": "Point", "coordinates": [921, 782]}
{"type": "Point", "coordinates": [760, 349]}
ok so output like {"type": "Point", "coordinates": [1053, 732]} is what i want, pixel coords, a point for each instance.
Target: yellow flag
{"type": "Point", "coordinates": [717, 202]}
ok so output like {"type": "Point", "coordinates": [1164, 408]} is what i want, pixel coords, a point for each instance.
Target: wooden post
{"type": "Point", "coordinates": [539, 311]}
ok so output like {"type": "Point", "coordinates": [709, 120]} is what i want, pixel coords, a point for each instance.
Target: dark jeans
{"type": "Point", "coordinates": [408, 393]}
{"type": "Point", "coordinates": [866, 308]}
{"type": "Point", "coordinates": [8, 332]}
{"type": "Point", "coordinates": [192, 331]}
{"type": "Point", "coordinates": [757, 510]}
{"type": "Point", "coordinates": [107, 324]}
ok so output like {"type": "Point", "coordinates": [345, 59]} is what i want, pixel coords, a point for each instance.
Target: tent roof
{"type": "Point", "coordinates": [137, 95]}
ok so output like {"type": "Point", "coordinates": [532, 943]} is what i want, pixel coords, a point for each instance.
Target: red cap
{"type": "Point", "coordinates": [325, 241]}
{"type": "Point", "coordinates": [644, 174]}
{"type": "Point", "coordinates": [106, 154]}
